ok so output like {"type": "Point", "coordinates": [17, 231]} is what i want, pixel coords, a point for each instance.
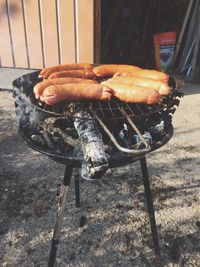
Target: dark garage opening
{"type": "Point", "coordinates": [128, 27]}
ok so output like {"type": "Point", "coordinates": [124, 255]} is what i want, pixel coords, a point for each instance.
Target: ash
{"type": "Point", "coordinates": [95, 160]}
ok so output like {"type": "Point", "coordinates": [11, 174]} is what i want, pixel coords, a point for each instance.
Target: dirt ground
{"type": "Point", "coordinates": [111, 228]}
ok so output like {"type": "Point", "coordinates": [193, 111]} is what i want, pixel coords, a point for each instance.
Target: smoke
{"type": "Point", "coordinates": [25, 112]}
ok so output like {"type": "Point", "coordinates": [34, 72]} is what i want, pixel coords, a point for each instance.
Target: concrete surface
{"type": "Point", "coordinates": [8, 75]}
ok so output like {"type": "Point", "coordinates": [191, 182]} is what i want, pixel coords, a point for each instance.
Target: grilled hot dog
{"type": "Point", "coordinates": [85, 74]}
{"type": "Point", "coordinates": [72, 92]}
{"type": "Point", "coordinates": [161, 87]}
{"type": "Point", "coordinates": [134, 94]}
{"type": "Point", "coordinates": [145, 73]}
{"type": "Point", "coordinates": [111, 69]}
{"type": "Point", "coordinates": [40, 87]}
{"type": "Point", "coordinates": [49, 70]}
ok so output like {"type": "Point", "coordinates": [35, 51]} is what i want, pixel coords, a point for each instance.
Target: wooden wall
{"type": "Point", "coordinates": [38, 33]}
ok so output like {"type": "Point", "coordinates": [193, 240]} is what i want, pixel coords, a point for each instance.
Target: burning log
{"type": "Point", "coordinates": [95, 161]}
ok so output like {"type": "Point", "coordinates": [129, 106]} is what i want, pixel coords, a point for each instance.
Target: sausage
{"type": "Point", "coordinates": [39, 87]}
{"type": "Point", "coordinates": [145, 73]}
{"type": "Point", "coordinates": [72, 92]}
{"type": "Point", "coordinates": [134, 94]}
{"type": "Point", "coordinates": [74, 66]}
{"type": "Point", "coordinates": [161, 87]}
{"type": "Point", "coordinates": [85, 74]}
{"type": "Point", "coordinates": [111, 69]}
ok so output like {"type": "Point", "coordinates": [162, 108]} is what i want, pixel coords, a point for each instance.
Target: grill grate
{"type": "Point", "coordinates": [114, 109]}
{"type": "Point", "coordinates": [109, 111]}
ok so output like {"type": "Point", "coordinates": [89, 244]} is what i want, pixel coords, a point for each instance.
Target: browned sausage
{"type": "Point", "coordinates": [85, 74]}
{"type": "Point", "coordinates": [161, 87]}
{"type": "Point", "coordinates": [39, 87]}
{"type": "Point", "coordinates": [111, 69]}
{"type": "Point", "coordinates": [145, 73]}
{"type": "Point", "coordinates": [72, 92]}
{"type": "Point", "coordinates": [74, 66]}
{"type": "Point", "coordinates": [135, 94]}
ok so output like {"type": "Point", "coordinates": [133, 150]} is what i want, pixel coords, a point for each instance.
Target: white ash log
{"type": "Point", "coordinates": [95, 160]}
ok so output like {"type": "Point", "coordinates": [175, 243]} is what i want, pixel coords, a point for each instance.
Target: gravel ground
{"type": "Point", "coordinates": [111, 228]}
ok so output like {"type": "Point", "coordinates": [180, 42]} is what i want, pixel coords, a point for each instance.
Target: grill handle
{"type": "Point", "coordinates": [118, 146]}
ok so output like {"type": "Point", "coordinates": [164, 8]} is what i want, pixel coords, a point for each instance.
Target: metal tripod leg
{"type": "Point", "coordinates": [150, 208]}
{"type": "Point", "coordinates": [61, 206]}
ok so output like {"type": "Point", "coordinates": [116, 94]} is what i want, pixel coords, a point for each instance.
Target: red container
{"type": "Point", "coordinates": [164, 49]}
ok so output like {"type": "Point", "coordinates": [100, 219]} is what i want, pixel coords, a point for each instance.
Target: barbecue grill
{"type": "Point", "coordinates": [128, 131]}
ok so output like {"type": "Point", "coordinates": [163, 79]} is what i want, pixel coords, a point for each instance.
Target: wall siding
{"type": "Point", "coordinates": [39, 33]}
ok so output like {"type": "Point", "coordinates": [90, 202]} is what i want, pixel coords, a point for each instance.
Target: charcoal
{"type": "Point", "coordinates": [55, 127]}
{"type": "Point", "coordinates": [48, 140]}
{"type": "Point", "coordinates": [95, 161]}
{"type": "Point", "coordinates": [38, 139]}
{"type": "Point", "coordinates": [126, 137]}
{"type": "Point", "coordinates": [139, 143]}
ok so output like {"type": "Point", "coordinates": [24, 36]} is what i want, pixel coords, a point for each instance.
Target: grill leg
{"type": "Point", "coordinates": [150, 208]}
{"type": "Point", "coordinates": [61, 206]}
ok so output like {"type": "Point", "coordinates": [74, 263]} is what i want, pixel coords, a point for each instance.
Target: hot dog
{"type": "Point", "coordinates": [134, 94]}
{"type": "Point", "coordinates": [111, 69]}
{"type": "Point", "coordinates": [161, 87]}
{"type": "Point", "coordinates": [49, 70]}
{"type": "Point", "coordinates": [39, 87]}
{"type": "Point", "coordinates": [145, 73]}
{"type": "Point", "coordinates": [72, 92]}
{"type": "Point", "coordinates": [85, 74]}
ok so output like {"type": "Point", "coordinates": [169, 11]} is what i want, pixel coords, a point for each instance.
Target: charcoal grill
{"type": "Point", "coordinates": [129, 131]}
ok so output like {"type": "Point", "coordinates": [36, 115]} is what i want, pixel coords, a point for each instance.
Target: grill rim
{"type": "Point", "coordinates": [159, 107]}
